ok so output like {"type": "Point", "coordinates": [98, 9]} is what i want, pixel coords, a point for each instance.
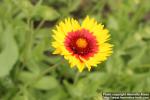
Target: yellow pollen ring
{"type": "Point", "coordinates": [81, 43]}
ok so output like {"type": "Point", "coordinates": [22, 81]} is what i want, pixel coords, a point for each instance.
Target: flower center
{"type": "Point", "coordinates": [81, 43]}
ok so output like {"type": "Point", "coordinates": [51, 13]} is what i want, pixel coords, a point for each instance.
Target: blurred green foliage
{"type": "Point", "coordinates": [29, 71]}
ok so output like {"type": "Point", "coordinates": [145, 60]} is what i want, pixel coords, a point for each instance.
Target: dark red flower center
{"type": "Point", "coordinates": [81, 43]}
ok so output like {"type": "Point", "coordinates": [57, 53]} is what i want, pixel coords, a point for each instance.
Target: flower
{"type": "Point", "coordinates": [85, 45]}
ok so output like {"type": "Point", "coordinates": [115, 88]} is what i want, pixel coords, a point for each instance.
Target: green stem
{"type": "Point", "coordinates": [40, 25]}
{"type": "Point", "coordinates": [76, 77]}
{"type": "Point", "coordinates": [29, 41]}
{"type": "Point", "coordinates": [42, 74]}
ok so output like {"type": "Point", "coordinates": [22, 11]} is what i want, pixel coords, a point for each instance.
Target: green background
{"type": "Point", "coordinates": [29, 70]}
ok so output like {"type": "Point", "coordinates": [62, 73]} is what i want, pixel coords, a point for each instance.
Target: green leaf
{"type": "Point", "coordinates": [18, 97]}
{"type": "Point", "coordinates": [73, 5]}
{"type": "Point", "coordinates": [136, 60]}
{"type": "Point", "coordinates": [26, 76]}
{"type": "Point", "coordinates": [86, 87]}
{"type": "Point", "coordinates": [23, 95]}
{"type": "Point", "coordinates": [45, 13]}
{"type": "Point", "coordinates": [46, 83]}
{"type": "Point", "coordinates": [25, 6]}
{"type": "Point", "coordinates": [9, 53]}
{"type": "Point", "coordinates": [115, 61]}
{"type": "Point", "coordinates": [113, 23]}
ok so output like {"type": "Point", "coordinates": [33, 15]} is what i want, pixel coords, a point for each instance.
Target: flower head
{"type": "Point", "coordinates": [82, 45]}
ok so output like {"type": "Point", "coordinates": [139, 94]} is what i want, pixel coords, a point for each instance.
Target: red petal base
{"type": "Point", "coordinates": [88, 49]}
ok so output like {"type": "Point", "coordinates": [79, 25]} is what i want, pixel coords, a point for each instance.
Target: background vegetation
{"type": "Point", "coordinates": [29, 71]}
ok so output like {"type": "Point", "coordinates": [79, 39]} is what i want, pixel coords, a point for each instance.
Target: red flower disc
{"type": "Point", "coordinates": [81, 43]}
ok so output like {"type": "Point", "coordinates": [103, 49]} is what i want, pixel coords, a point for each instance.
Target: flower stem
{"type": "Point", "coordinates": [42, 74]}
{"type": "Point", "coordinates": [76, 77]}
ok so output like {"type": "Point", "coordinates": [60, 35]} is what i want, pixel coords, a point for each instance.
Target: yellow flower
{"type": "Point", "coordinates": [82, 45]}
